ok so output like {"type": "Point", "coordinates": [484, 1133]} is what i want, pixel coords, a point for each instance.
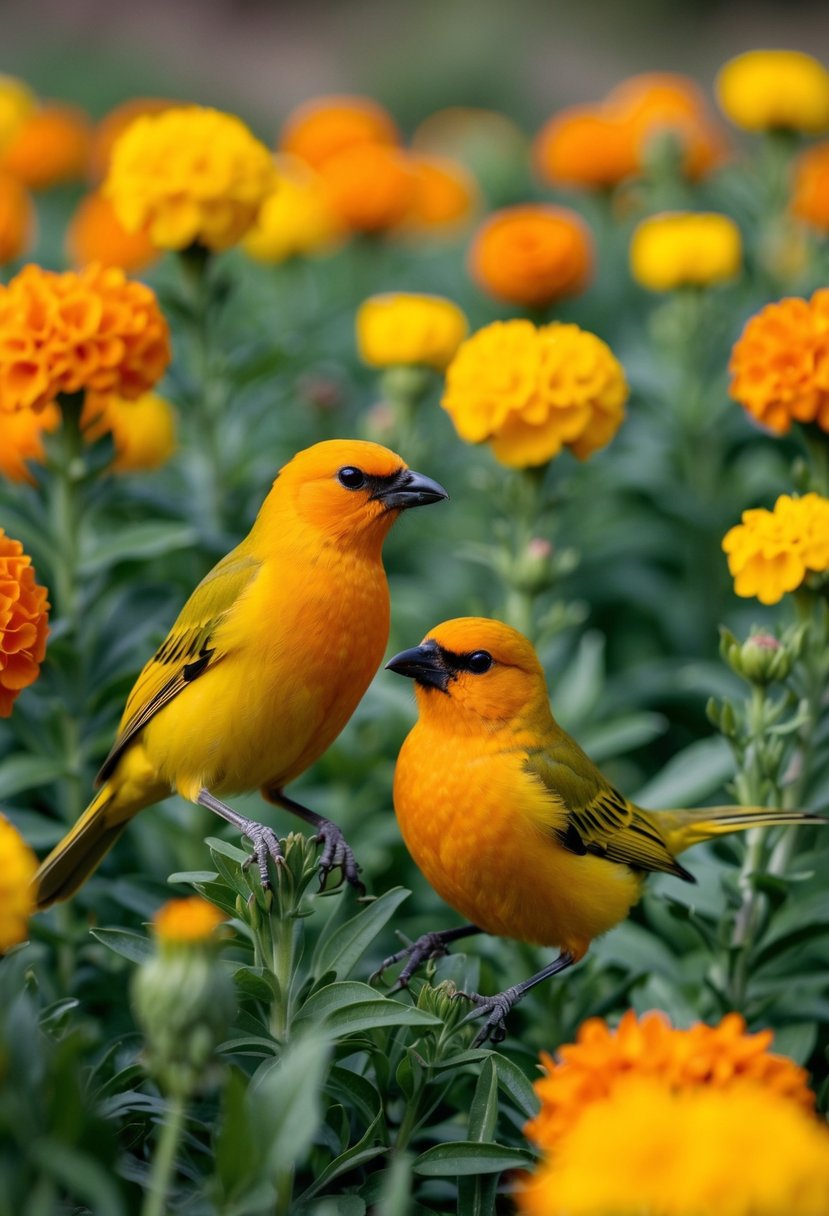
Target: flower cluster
{"type": "Point", "coordinates": [404, 329]}
{"type": "Point", "coordinates": [24, 627]}
{"type": "Point", "coordinates": [71, 332]}
{"type": "Point", "coordinates": [772, 552]}
{"type": "Point", "coordinates": [691, 1121]}
{"type": "Point", "coordinates": [189, 175]}
{"type": "Point", "coordinates": [17, 869]}
{"type": "Point", "coordinates": [775, 90]}
{"type": "Point", "coordinates": [685, 249]}
{"type": "Point", "coordinates": [532, 254]}
{"type": "Point", "coordinates": [530, 391]}
{"type": "Point", "coordinates": [780, 363]}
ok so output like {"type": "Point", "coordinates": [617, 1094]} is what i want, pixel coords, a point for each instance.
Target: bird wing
{"type": "Point", "coordinates": [598, 819]}
{"type": "Point", "coordinates": [187, 651]}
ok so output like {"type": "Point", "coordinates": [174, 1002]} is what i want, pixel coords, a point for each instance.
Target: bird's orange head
{"type": "Point", "coordinates": [349, 490]}
{"type": "Point", "coordinates": [472, 671]}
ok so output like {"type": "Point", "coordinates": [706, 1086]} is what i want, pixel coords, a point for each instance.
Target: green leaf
{"type": "Point", "coordinates": [366, 1149]}
{"type": "Point", "coordinates": [517, 1085]}
{"type": "Point", "coordinates": [459, 1158]}
{"type": "Point", "coordinates": [129, 945]}
{"type": "Point", "coordinates": [374, 1015]}
{"type": "Point", "coordinates": [347, 944]}
{"type": "Point", "coordinates": [83, 1177]}
{"type": "Point", "coordinates": [285, 1102]}
{"type": "Point", "coordinates": [137, 541]}
{"type": "Point", "coordinates": [236, 1158]}
{"type": "Point", "coordinates": [334, 996]}
{"type": "Point", "coordinates": [694, 773]}
{"type": "Point", "coordinates": [19, 773]}
{"type": "Point", "coordinates": [191, 877]}
{"type": "Point", "coordinates": [476, 1194]}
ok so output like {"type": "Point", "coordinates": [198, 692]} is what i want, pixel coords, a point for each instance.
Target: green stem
{"type": "Point", "coordinates": [165, 1158]}
{"type": "Point", "coordinates": [817, 445]}
{"type": "Point", "coordinates": [284, 950]}
{"type": "Point", "coordinates": [527, 512]}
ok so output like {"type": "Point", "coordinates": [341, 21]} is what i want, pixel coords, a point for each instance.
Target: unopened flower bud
{"type": "Point", "coordinates": [532, 571]}
{"type": "Point", "coordinates": [441, 1001]}
{"type": "Point", "coordinates": [763, 659]}
{"type": "Point", "coordinates": [406, 383]}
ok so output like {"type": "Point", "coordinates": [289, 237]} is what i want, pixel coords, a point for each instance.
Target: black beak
{"type": "Point", "coordinates": [409, 489]}
{"type": "Point", "coordinates": [423, 663]}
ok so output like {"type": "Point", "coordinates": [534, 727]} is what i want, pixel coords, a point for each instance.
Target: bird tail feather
{"type": "Point", "coordinates": [72, 860]}
{"type": "Point", "coordinates": [686, 828]}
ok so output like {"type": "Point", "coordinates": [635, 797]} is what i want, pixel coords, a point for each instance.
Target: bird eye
{"type": "Point", "coordinates": [351, 478]}
{"type": "Point", "coordinates": [479, 662]}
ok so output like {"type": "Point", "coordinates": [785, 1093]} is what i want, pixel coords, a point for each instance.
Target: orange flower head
{"type": "Point", "coordinates": [780, 364]}
{"type": "Point", "coordinates": [324, 126]}
{"type": "Point", "coordinates": [16, 219]}
{"type": "Point", "coordinates": [17, 102]}
{"type": "Point", "coordinates": [773, 552]}
{"type": "Point", "coordinates": [24, 616]}
{"type": "Point", "coordinates": [184, 922]}
{"type": "Point", "coordinates": [80, 330]}
{"type": "Point", "coordinates": [95, 234]}
{"type": "Point", "coordinates": [810, 191]}
{"type": "Point", "coordinates": [445, 195]}
{"type": "Point", "coordinates": [532, 254]}
{"type": "Point", "coordinates": [21, 440]}
{"type": "Point", "coordinates": [18, 866]}
{"type": "Point", "coordinates": [51, 147]}
{"type": "Point", "coordinates": [370, 187]}
{"type": "Point", "coordinates": [585, 146]}
{"type": "Point", "coordinates": [113, 125]}
{"type": "Point", "coordinates": [775, 90]}
{"type": "Point", "coordinates": [143, 430]}
{"type": "Point", "coordinates": [296, 220]}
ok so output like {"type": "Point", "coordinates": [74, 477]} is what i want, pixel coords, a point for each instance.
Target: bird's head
{"type": "Point", "coordinates": [350, 490]}
{"type": "Point", "coordinates": [472, 669]}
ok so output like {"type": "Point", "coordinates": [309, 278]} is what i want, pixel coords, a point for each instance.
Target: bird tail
{"type": "Point", "coordinates": [683, 829]}
{"type": "Point", "coordinates": [72, 860]}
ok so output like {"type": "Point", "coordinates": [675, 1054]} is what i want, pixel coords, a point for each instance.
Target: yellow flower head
{"type": "Point", "coordinates": [17, 102]}
{"type": "Point", "coordinates": [528, 391]}
{"type": "Point", "coordinates": [18, 865]}
{"type": "Point", "coordinates": [24, 623]}
{"type": "Point", "coordinates": [772, 552]}
{"type": "Point", "coordinates": [189, 175]}
{"type": "Point", "coordinates": [685, 248]}
{"type": "Point", "coordinates": [182, 922]}
{"type": "Point", "coordinates": [143, 430]}
{"type": "Point", "coordinates": [769, 90]}
{"type": "Point", "coordinates": [401, 328]}
{"type": "Point", "coordinates": [295, 219]}
{"type": "Point", "coordinates": [780, 363]}
{"type": "Point", "coordinates": [76, 331]}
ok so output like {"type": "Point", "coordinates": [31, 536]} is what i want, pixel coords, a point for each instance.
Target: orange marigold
{"type": "Point", "coordinates": [21, 440]}
{"type": "Point", "coordinates": [18, 866]}
{"type": "Point", "coordinates": [324, 126]}
{"type": "Point", "coordinates": [24, 616]}
{"type": "Point", "coordinates": [95, 234]}
{"type": "Point", "coordinates": [369, 187]}
{"type": "Point", "coordinates": [185, 921]}
{"type": "Point", "coordinates": [780, 363]}
{"type": "Point", "coordinates": [16, 218]}
{"type": "Point", "coordinates": [445, 194]}
{"type": "Point", "coordinates": [50, 147]}
{"type": "Point", "coordinates": [810, 191]}
{"type": "Point", "coordinates": [532, 254]}
{"type": "Point", "coordinates": [66, 333]}
{"type": "Point", "coordinates": [114, 124]}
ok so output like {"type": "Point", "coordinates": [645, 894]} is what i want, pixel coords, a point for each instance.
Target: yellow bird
{"type": "Point", "coordinates": [511, 822]}
{"type": "Point", "coordinates": [265, 664]}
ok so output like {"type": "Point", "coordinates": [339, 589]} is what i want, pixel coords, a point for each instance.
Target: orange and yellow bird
{"type": "Point", "coordinates": [511, 822]}
{"type": "Point", "coordinates": [265, 664]}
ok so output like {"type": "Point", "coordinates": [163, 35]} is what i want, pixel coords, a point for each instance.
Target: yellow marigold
{"type": "Point", "coordinates": [16, 219]}
{"type": "Point", "coordinates": [143, 430]}
{"type": "Point", "coordinates": [17, 101]}
{"type": "Point", "coordinates": [529, 392]}
{"type": "Point", "coordinates": [810, 189]}
{"type": "Point", "coordinates": [66, 333]}
{"type": "Point", "coordinates": [780, 363]}
{"type": "Point", "coordinates": [767, 90]}
{"type": "Point", "coordinates": [50, 147]}
{"type": "Point", "coordinates": [24, 617]}
{"type": "Point", "coordinates": [113, 125]}
{"type": "Point", "coordinates": [650, 1149]}
{"type": "Point", "coordinates": [369, 187]}
{"type": "Point", "coordinates": [324, 126]}
{"type": "Point", "coordinates": [772, 552]}
{"type": "Point", "coordinates": [189, 175]}
{"type": "Point", "coordinates": [296, 219]}
{"type": "Point", "coordinates": [184, 921]}
{"type": "Point", "coordinates": [685, 248]}
{"type": "Point", "coordinates": [18, 866]}
{"type": "Point", "coordinates": [21, 440]}
{"type": "Point", "coordinates": [95, 234]}
{"type": "Point", "coordinates": [401, 328]}
{"type": "Point", "coordinates": [532, 254]}
{"type": "Point", "coordinates": [445, 194]}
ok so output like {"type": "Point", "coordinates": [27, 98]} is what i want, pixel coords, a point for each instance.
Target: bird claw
{"type": "Point", "coordinates": [496, 1007]}
{"type": "Point", "coordinates": [426, 947]}
{"type": "Point", "coordinates": [337, 854]}
{"type": "Point", "coordinates": [266, 847]}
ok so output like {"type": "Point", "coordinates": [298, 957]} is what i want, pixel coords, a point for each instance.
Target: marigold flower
{"type": "Point", "coordinates": [189, 175]}
{"type": "Point", "coordinates": [113, 125]}
{"type": "Point", "coordinates": [18, 866]}
{"type": "Point", "coordinates": [685, 248]}
{"type": "Point", "coordinates": [324, 126]}
{"type": "Point", "coordinates": [772, 552]}
{"type": "Point", "coordinates": [95, 234]}
{"type": "Point", "coordinates": [780, 363]}
{"type": "Point", "coordinates": [24, 615]}
{"type": "Point", "coordinates": [369, 187]}
{"type": "Point", "coordinates": [184, 921]}
{"type": "Point", "coordinates": [445, 194]}
{"type": "Point", "coordinates": [21, 440]}
{"type": "Point", "coordinates": [810, 190]}
{"type": "Point", "coordinates": [532, 254]}
{"type": "Point", "coordinates": [16, 219]}
{"type": "Point", "coordinates": [50, 147]}
{"type": "Point", "coordinates": [17, 101]}
{"type": "Point", "coordinates": [296, 219]}
{"type": "Point", "coordinates": [67, 333]}
{"type": "Point", "coordinates": [585, 146]}
{"type": "Point", "coordinates": [143, 430]}
{"type": "Point", "coordinates": [401, 328]}
{"type": "Point", "coordinates": [768, 90]}
{"type": "Point", "coordinates": [529, 392]}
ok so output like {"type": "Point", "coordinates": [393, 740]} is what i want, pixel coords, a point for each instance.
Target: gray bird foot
{"type": "Point", "coordinates": [425, 948]}
{"type": "Point", "coordinates": [337, 854]}
{"type": "Point", "coordinates": [496, 1009]}
{"type": "Point", "coordinates": [266, 848]}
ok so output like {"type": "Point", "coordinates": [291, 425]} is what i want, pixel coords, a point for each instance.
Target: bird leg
{"type": "Point", "coordinates": [426, 947]}
{"type": "Point", "coordinates": [264, 840]}
{"type": "Point", "coordinates": [497, 1007]}
{"type": "Point", "coordinates": [336, 851]}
